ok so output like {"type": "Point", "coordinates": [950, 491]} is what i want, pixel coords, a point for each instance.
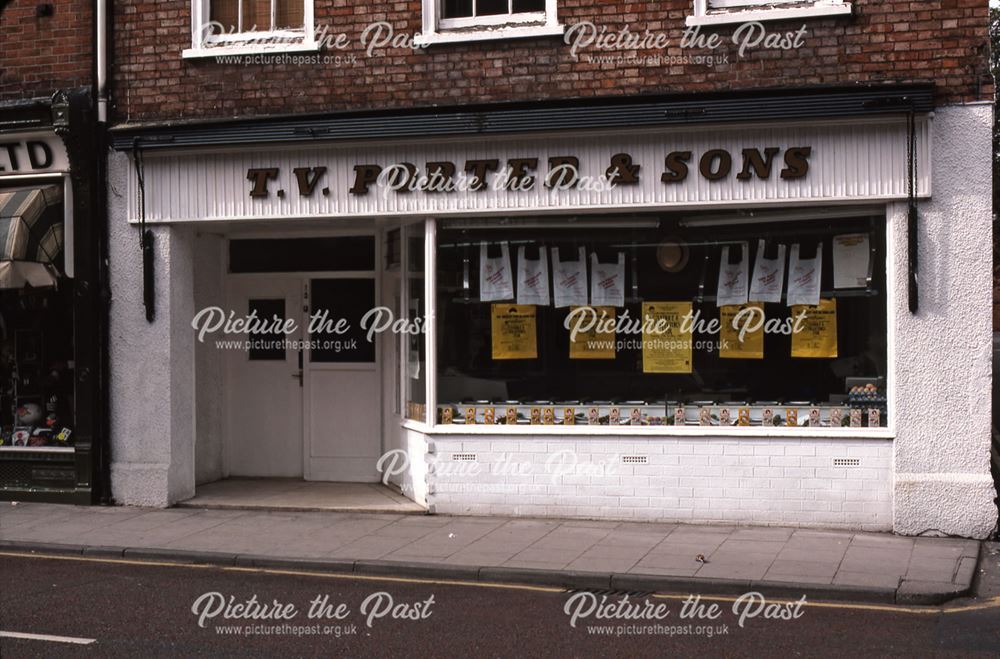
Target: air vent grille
{"type": "Point", "coordinates": [847, 462]}
{"type": "Point", "coordinates": [635, 459]}
{"type": "Point", "coordinates": [463, 457]}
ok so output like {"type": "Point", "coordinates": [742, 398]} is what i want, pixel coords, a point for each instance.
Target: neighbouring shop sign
{"type": "Point", "coordinates": [714, 166]}
{"type": "Point", "coordinates": [31, 153]}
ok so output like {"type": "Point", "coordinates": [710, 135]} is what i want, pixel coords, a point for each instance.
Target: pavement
{"type": "Point", "coordinates": [606, 555]}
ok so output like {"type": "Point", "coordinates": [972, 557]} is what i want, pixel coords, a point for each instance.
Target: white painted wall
{"type": "Point", "coordinates": [152, 364]}
{"type": "Point", "coordinates": [790, 482]}
{"type": "Point", "coordinates": [943, 354]}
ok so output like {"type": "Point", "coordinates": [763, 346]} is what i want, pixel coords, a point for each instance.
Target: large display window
{"type": "Point", "coordinates": [775, 319]}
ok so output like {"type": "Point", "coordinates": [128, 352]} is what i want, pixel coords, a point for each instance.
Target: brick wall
{"type": "Point", "coordinates": [40, 54]}
{"type": "Point", "coordinates": [942, 41]}
{"type": "Point", "coordinates": [790, 482]}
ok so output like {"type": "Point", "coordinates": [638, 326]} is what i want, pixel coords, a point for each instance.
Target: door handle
{"type": "Point", "coordinates": [298, 374]}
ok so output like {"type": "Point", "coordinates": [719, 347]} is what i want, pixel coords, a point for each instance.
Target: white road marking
{"type": "Point", "coordinates": [49, 638]}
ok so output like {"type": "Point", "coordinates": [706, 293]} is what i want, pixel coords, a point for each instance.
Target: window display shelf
{"type": "Point", "coordinates": [610, 415]}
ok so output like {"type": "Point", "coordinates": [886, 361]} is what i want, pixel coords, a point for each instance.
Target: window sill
{"type": "Point", "coordinates": [37, 449]}
{"type": "Point", "coordinates": [249, 49]}
{"type": "Point", "coordinates": [489, 34]}
{"type": "Point", "coordinates": [751, 15]}
{"type": "Point", "coordinates": [708, 432]}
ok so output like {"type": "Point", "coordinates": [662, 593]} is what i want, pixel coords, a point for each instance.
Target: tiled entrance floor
{"type": "Point", "coordinates": [291, 494]}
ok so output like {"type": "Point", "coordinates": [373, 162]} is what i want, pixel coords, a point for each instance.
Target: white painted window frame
{"type": "Point", "coordinates": [763, 10]}
{"type": "Point", "coordinates": [436, 29]}
{"type": "Point", "coordinates": [248, 43]}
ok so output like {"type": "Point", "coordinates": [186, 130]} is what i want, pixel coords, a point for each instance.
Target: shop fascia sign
{"type": "Point", "coordinates": [522, 174]}
{"type": "Point", "coordinates": [32, 153]}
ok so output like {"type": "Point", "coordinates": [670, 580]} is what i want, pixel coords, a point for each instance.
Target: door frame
{"type": "Point", "coordinates": [303, 318]}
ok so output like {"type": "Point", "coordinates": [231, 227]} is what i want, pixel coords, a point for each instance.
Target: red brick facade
{"type": "Point", "coordinates": [40, 54]}
{"type": "Point", "coordinates": [885, 41]}
{"type": "Point", "coordinates": [943, 41]}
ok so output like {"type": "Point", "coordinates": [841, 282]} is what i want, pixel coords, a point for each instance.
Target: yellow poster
{"type": "Point", "coordinates": [593, 344]}
{"type": "Point", "coordinates": [817, 335]}
{"type": "Point", "coordinates": [665, 349]}
{"type": "Point", "coordinates": [746, 320]}
{"type": "Point", "coordinates": [514, 334]}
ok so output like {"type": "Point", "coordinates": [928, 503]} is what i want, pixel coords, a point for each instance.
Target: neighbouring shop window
{"type": "Point", "coordinates": [414, 348]}
{"type": "Point", "coordinates": [36, 367]}
{"type": "Point", "coordinates": [267, 346]}
{"type": "Point", "coordinates": [809, 295]}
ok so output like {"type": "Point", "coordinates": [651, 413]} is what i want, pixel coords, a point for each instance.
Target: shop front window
{"type": "Point", "coordinates": [37, 359]}
{"type": "Point", "coordinates": [775, 321]}
{"type": "Point", "coordinates": [414, 344]}
{"type": "Point", "coordinates": [36, 363]}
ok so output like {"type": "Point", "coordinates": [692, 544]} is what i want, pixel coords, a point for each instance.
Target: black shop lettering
{"type": "Point", "coordinates": [555, 173]}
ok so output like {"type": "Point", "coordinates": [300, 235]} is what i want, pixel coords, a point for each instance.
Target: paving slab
{"type": "Point", "coordinates": [823, 564]}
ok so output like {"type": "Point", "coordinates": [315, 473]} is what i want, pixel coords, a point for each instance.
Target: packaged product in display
{"type": "Point", "coordinates": [768, 274]}
{"type": "Point", "coordinates": [704, 416]}
{"type": "Point", "coordinates": [725, 417]}
{"type": "Point", "coordinates": [855, 418]}
{"type": "Point", "coordinates": [533, 277]}
{"type": "Point", "coordinates": [496, 281]}
{"type": "Point", "coordinates": [874, 418]}
{"type": "Point", "coordinates": [447, 414]}
{"type": "Point", "coordinates": [767, 416]}
{"type": "Point", "coordinates": [511, 416]}
{"type": "Point", "coordinates": [814, 418]}
{"type": "Point", "coordinates": [614, 416]}
{"type": "Point", "coordinates": [548, 416]}
{"type": "Point", "coordinates": [733, 278]}
{"type": "Point", "coordinates": [593, 416]}
{"type": "Point", "coordinates": [791, 417]}
{"type": "Point", "coordinates": [489, 416]}
{"type": "Point", "coordinates": [836, 417]}
{"type": "Point", "coordinates": [607, 281]}
{"type": "Point", "coordinates": [804, 277]}
{"type": "Point", "coordinates": [569, 279]}
{"type": "Point", "coordinates": [569, 416]}
{"type": "Point", "coordinates": [743, 416]}
{"type": "Point", "coordinates": [470, 415]}
{"type": "Point", "coordinates": [680, 417]}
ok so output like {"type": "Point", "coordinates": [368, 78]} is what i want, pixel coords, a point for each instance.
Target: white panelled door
{"type": "Point", "coordinates": [264, 390]}
{"type": "Point", "coordinates": [342, 386]}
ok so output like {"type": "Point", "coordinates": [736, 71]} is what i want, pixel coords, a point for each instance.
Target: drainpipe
{"type": "Point", "coordinates": [100, 217]}
{"type": "Point", "coordinates": [101, 59]}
